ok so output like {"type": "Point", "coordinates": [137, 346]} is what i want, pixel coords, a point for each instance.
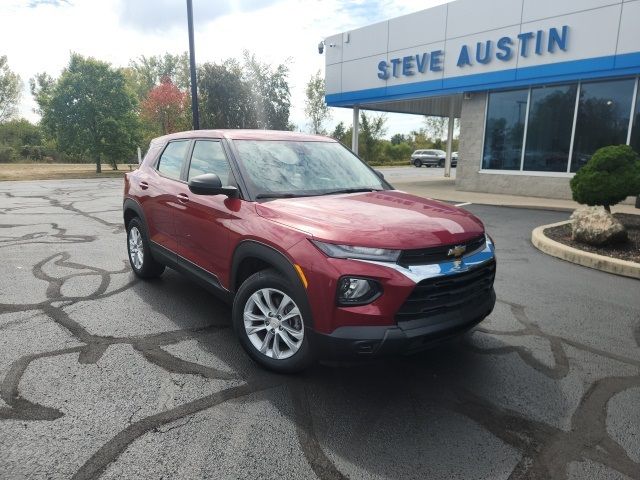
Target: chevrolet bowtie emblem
{"type": "Point", "coordinates": [456, 251]}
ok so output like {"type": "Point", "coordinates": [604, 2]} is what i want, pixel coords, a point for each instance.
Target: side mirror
{"type": "Point", "coordinates": [210, 184]}
{"type": "Point", "coordinates": [379, 173]}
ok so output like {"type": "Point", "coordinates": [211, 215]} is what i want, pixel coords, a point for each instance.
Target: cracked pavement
{"type": "Point", "coordinates": [105, 376]}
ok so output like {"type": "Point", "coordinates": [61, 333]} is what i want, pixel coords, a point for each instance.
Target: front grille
{"type": "Point", "coordinates": [426, 256]}
{"type": "Point", "coordinates": [444, 294]}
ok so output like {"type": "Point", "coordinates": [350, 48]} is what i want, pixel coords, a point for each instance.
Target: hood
{"type": "Point", "coordinates": [386, 219]}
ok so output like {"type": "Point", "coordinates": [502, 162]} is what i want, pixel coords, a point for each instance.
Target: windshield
{"type": "Point", "coordinates": [295, 168]}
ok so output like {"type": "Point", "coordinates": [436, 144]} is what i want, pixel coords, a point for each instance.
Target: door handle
{"type": "Point", "coordinates": [183, 197]}
{"type": "Point", "coordinates": [144, 185]}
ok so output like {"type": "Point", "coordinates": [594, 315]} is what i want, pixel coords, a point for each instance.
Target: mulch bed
{"type": "Point", "coordinates": [629, 250]}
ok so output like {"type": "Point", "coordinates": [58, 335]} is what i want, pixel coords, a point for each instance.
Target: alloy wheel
{"type": "Point", "coordinates": [273, 323]}
{"type": "Point", "coordinates": [136, 248]}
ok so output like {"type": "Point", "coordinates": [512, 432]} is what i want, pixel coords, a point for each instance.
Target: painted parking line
{"type": "Point", "coordinates": [462, 204]}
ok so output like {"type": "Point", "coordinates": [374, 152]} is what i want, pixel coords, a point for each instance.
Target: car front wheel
{"type": "Point", "coordinates": [142, 263]}
{"type": "Point", "coordinates": [417, 163]}
{"type": "Point", "coordinates": [269, 323]}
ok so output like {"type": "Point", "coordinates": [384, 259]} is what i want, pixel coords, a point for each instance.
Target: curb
{"type": "Point", "coordinates": [586, 259]}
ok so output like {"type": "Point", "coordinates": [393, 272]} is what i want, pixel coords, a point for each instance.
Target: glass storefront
{"type": "Point", "coordinates": [603, 118]}
{"type": "Point", "coordinates": [549, 128]}
{"type": "Point", "coordinates": [542, 143]}
{"type": "Point", "coordinates": [503, 134]}
{"type": "Point", "coordinates": [635, 131]}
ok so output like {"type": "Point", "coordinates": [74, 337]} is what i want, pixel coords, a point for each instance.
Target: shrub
{"type": "Point", "coordinates": [397, 152]}
{"type": "Point", "coordinates": [611, 175]}
{"type": "Point", "coordinates": [7, 154]}
{"type": "Point", "coordinates": [33, 152]}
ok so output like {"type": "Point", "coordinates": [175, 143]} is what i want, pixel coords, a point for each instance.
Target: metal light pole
{"type": "Point", "coordinates": [192, 62]}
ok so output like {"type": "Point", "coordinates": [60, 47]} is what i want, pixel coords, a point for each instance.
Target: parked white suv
{"type": "Point", "coordinates": [430, 158]}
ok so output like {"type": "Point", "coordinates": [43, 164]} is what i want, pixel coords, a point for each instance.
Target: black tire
{"type": "Point", "coordinates": [272, 280]}
{"type": "Point", "coordinates": [417, 163]}
{"type": "Point", "coordinates": [148, 267]}
{"type": "Point", "coordinates": [441, 163]}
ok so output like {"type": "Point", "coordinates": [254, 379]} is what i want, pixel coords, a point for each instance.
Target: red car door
{"type": "Point", "coordinates": [160, 185]}
{"type": "Point", "coordinates": [203, 221]}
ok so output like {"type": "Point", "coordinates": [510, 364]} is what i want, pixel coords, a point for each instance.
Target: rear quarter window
{"type": "Point", "coordinates": [170, 163]}
{"type": "Point", "coordinates": [151, 155]}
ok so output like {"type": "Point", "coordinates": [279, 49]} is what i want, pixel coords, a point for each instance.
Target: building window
{"type": "Point", "coordinates": [603, 118]}
{"type": "Point", "coordinates": [635, 130]}
{"type": "Point", "coordinates": [504, 130]}
{"type": "Point", "coordinates": [549, 128]}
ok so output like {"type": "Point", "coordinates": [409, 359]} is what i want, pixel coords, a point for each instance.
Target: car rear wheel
{"type": "Point", "coordinates": [417, 163]}
{"type": "Point", "coordinates": [441, 163]}
{"type": "Point", "coordinates": [142, 263]}
{"type": "Point", "coordinates": [269, 323]}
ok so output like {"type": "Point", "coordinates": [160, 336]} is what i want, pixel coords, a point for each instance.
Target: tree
{"type": "Point", "coordinates": [88, 110]}
{"type": "Point", "coordinates": [20, 136]}
{"type": "Point", "coordinates": [145, 73]}
{"type": "Point", "coordinates": [17, 133]}
{"type": "Point", "coordinates": [225, 98]}
{"type": "Point", "coordinates": [340, 133]}
{"type": "Point", "coordinates": [399, 138]}
{"type": "Point", "coordinates": [372, 129]}
{"type": "Point", "coordinates": [165, 107]}
{"type": "Point", "coordinates": [437, 128]}
{"type": "Point", "coordinates": [10, 90]}
{"type": "Point", "coordinates": [611, 175]}
{"type": "Point", "coordinates": [316, 108]}
{"type": "Point", "coordinates": [249, 95]}
{"type": "Point", "coordinates": [270, 91]}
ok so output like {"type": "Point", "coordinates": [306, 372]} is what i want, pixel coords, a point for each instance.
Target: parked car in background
{"type": "Point", "coordinates": [317, 253]}
{"type": "Point", "coordinates": [430, 158]}
{"type": "Point", "coordinates": [454, 159]}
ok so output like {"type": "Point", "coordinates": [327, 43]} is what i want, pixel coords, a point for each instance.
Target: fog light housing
{"type": "Point", "coordinates": [357, 291]}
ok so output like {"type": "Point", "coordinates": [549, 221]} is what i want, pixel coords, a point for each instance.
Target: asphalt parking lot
{"type": "Point", "coordinates": [104, 376]}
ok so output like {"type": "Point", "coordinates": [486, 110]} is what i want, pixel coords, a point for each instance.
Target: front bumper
{"type": "Point", "coordinates": [387, 340]}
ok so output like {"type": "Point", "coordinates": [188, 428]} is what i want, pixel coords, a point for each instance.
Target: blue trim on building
{"type": "Point", "coordinates": [591, 68]}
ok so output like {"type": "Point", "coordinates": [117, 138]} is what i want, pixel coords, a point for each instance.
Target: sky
{"type": "Point", "coordinates": [38, 36]}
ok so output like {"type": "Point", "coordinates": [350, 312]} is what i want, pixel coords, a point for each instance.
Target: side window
{"type": "Point", "coordinates": [151, 154]}
{"type": "Point", "coordinates": [208, 157]}
{"type": "Point", "coordinates": [170, 163]}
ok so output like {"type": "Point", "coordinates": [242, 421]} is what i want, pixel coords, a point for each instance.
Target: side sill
{"type": "Point", "coordinates": [198, 275]}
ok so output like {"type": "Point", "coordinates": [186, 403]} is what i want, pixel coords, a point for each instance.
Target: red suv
{"type": "Point", "coordinates": [318, 253]}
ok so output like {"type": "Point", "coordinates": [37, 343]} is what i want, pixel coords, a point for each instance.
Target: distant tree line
{"type": "Point", "coordinates": [376, 150]}
{"type": "Point", "coordinates": [94, 112]}
{"type": "Point", "coordinates": [372, 146]}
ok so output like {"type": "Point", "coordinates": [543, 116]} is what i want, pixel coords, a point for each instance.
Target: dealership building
{"type": "Point", "coordinates": [538, 85]}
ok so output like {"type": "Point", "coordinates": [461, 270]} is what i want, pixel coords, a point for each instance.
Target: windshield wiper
{"type": "Point", "coordinates": [332, 192]}
{"type": "Point", "coordinates": [279, 195]}
{"type": "Point", "coordinates": [352, 190]}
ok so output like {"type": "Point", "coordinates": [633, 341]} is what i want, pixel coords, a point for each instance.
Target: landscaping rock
{"type": "Point", "coordinates": [596, 226]}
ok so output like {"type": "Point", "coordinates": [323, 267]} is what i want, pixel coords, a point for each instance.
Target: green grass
{"type": "Point", "coordinates": [48, 171]}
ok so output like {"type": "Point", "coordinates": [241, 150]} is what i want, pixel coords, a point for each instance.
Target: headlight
{"type": "Point", "coordinates": [490, 238]}
{"type": "Point", "coordinates": [357, 291]}
{"type": "Point", "coordinates": [362, 253]}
